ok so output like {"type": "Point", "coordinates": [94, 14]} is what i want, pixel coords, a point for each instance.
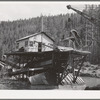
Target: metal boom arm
{"type": "Point", "coordinates": [91, 19]}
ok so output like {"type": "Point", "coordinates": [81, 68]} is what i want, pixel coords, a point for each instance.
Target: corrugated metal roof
{"type": "Point", "coordinates": [26, 37]}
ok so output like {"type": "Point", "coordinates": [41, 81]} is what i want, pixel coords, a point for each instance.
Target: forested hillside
{"type": "Point", "coordinates": [57, 27]}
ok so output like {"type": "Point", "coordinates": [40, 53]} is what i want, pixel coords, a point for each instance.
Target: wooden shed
{"type": "Point", "coordinates": [37, 42]}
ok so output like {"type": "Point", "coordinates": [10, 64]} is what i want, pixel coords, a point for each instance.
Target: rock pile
{"type": "Point", "coordinates": [90, 70]}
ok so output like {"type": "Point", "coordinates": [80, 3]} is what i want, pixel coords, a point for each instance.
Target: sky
{"type": "Point", "coordinates": [21, 10]}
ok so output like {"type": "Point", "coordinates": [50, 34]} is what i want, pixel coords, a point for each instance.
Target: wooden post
{"type": "Point", "coordinates": [72, 64]}
{"type": "Point", "coordinates": [23, 66]}
{"type": "Point", "coordinates": [28, 66]}
{"type": "Point", "coordinates": [73, 68]}
{"type": "Point", "coordinates": [19, 60]}
{"type": "Point", "coordinates": [54, 67]}
{"type": "Point", "coordinates": [19, 65]}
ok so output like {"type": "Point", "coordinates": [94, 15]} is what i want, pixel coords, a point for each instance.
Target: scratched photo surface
{"type": "Point", "coordinates": [49, 45]}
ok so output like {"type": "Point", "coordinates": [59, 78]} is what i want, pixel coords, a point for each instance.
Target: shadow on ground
{"type": "Point", "coordinates": [93, 88]}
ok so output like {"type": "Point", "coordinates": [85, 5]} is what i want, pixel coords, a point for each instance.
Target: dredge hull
{"type": "Point", "coordinates": [45, 78]}
{"type": "Point", "coordinates": [51, 68]}
{"type": "Point", "coordinates": [47, 81]}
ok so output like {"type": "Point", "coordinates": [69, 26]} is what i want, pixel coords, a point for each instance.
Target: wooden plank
{"type": "Point", "coordinates": [12, 64]}
{"type": "Point", "coordinates": [2, 63]}
{"type": "Point", "coordinates": [28, 71]}
{"type": "Point", "coordinates": [30, 53]}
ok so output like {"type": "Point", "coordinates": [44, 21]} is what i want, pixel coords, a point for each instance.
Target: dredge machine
{"type": "Point", "coordinates": [59, 67]}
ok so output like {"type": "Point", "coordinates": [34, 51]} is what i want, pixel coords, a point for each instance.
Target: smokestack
{"type": "Point", "coordinates": [41, 22]}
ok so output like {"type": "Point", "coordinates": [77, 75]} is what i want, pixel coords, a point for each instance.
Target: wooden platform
{"type": "Point", "coordinates": [77, 52]}
{"type": "Point", "coordinates": [53, 62]}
